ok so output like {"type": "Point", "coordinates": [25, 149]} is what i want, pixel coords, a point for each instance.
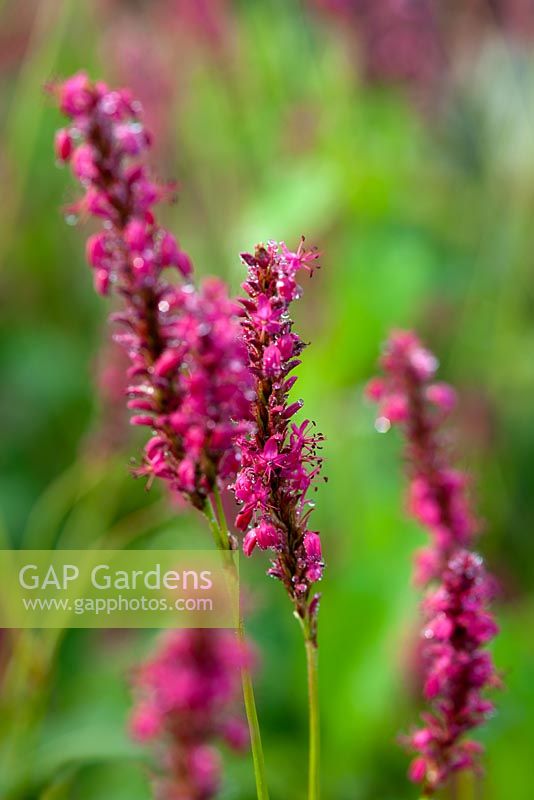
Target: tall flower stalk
{"type": "Point", "coordinates": [189, 380]}
{"type": "Point", "coordinates": [280, 461]}
{"type": "Point", "coordinates": [457, 623]}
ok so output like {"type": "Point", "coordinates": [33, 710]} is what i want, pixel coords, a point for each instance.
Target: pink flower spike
{"type": "Point", "coordinates": [280, 461]}
{"type": "Point", "coordinates": [437, 495]}
{"type": "Point", "coordinates": [188, 699]}
{"type": "Point", "coordinates": [457, 622]}
{"type": "Point", "coordinates": [183, 343]}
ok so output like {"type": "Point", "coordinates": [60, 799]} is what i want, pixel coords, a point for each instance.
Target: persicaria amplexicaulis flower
{"type": "Point", "coordinates": [189, 380]}
{"type": "Point", "coordinates": [187, 701]}
{"type": "Point", "coordinates": [458, 669]}
{"type": "Point", "coordinates": [409, 396]}
{"type": "Point", "coordinates": [457, 622]}
{"type": "Point", "coordinates": [280, 459]}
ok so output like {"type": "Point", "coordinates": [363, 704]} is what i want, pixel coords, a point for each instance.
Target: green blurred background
{"type": "Point", "coordinates": [398, 135]}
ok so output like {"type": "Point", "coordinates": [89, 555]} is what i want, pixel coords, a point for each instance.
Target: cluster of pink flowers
{"type": "Point", "coordinates": [279, 460]}
{"type": "Point", "coordinates": [457, 627]}
{"type": "Point", "coordinates": [409, 396]}
{"type": "Point", "coordinates": [210, 394]}
{"type": "Point", "coordinates": [187, 699]}
{"type": "Point", "coordinates": [457, 621]}
{"type": "Point", "coordinates": [190, 382]}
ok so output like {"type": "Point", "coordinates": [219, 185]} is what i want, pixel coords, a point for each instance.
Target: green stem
{"type": "Point", "coordinates": [220, 512]}
{"type": "Point", "coordinates": [313, 704]}
{"type": "Point", "coordinates": [253, 725]}
{"type": "Point", "coordinates": [219, 528]}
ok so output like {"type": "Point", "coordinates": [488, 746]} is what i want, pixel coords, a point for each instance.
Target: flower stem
{"type": "Point", "coordinates": [313, 704]}
{"type": "Point", "coordinates": [219, 527]}
{"type": "Point", "coordinates": [253, 726]}
{"type": "Point", "coordinates": [218, 538]}
{"type": "Point", "coordinates": [221, 516]}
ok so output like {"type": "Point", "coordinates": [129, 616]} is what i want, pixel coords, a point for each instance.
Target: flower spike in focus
{"type": "Point", "coordinates": [280, 460]}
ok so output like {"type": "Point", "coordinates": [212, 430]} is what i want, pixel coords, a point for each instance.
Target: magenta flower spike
{"type": "Point", "coordinates": [458, 669]}
{"type": "Point", "coordinates": [280, 460]}
{"type": "Point", "coordinates": [457, 622]}
{"type": "Point", "coordinates": [408, 396]}
{"type": "Point", "coordinates": [189, 381]}
{"type": "Point", "coordinates": [187, 701]}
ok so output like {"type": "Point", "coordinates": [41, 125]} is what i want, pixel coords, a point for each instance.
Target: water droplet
{"type": "Point", "coordinates": [382, 424]}
{"type": "Point", "coordinates": [71, 219]}
{"type": "Point", "coordinates": [163, 306]}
